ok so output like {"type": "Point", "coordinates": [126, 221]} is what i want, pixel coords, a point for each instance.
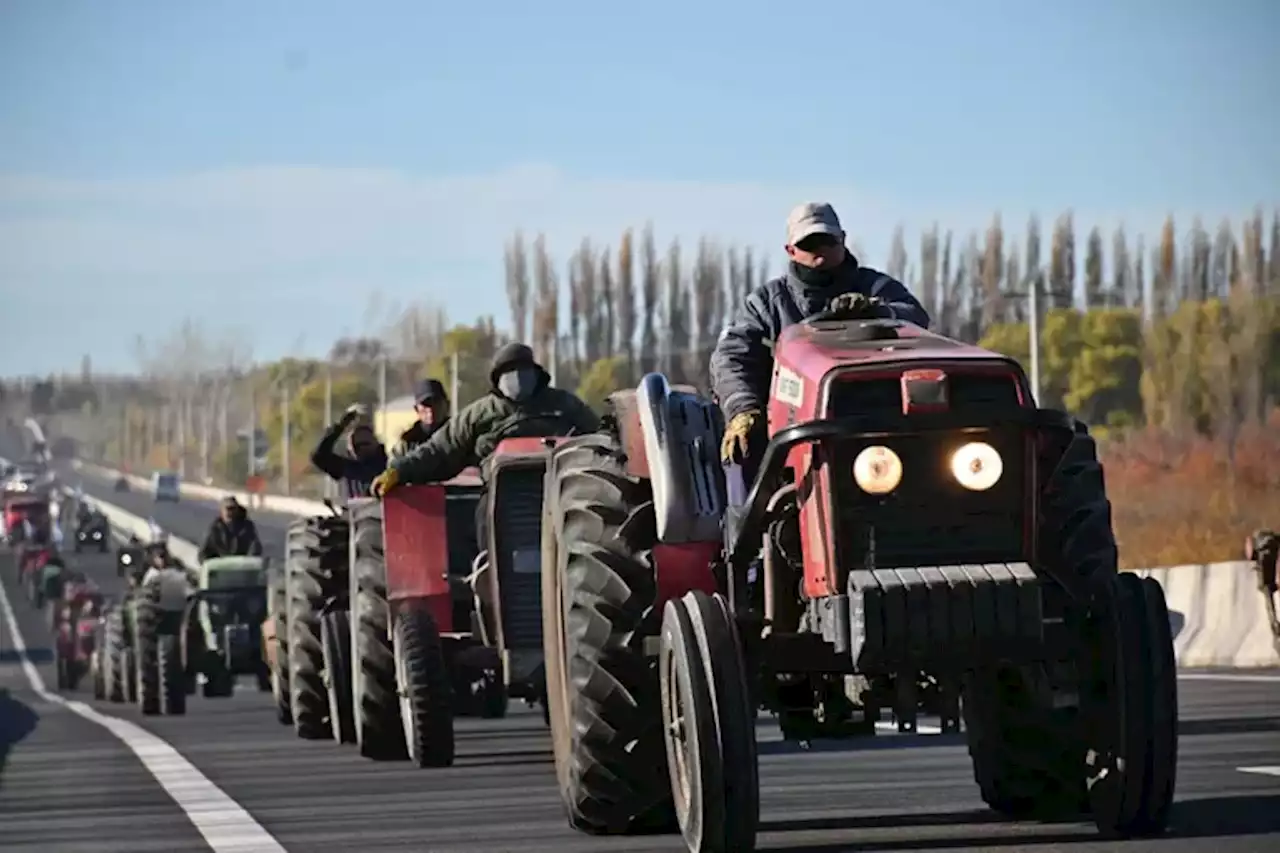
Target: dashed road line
{"type": "Point", "coordinates": [1261, 771]}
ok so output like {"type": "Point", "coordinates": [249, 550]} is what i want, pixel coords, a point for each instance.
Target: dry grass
{"type": "Point", "coordinates": [1179, 501]}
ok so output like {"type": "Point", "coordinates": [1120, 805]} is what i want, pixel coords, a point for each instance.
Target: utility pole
{"type": "Point", "coordinates": [284, 435]}
{"type": "Point", "coordinates": [224, 439]}
{"type": "Point", "coordinates": [1033, 326]}
{"type": "Point", "coordinates": [380, 417]}
{"type": "Point", "coordinates": [206, 438]}
{"type": "Point", "coordinates": [329, 485]}
{"type": "Point", "coordinates": [183, 408]}
{"type": "Point", "coordinates": [453, 385]}
{"type": "Point", "coordinates": [253, 434]}
{"type": "Point", "coordinates": [1033, 285]}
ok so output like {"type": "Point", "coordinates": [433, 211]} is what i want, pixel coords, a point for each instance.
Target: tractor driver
{"type": "Point", "coordinates": [232, 534]}
{"type": "Point", "coordinates": [431, 405]}
{"type": "Point", "coordinates": [521, 403]}
{"type": "Point", "coordinates": [823, 275]}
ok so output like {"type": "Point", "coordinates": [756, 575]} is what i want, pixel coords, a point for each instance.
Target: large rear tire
{"type": "Point", "coordinates": [709, 720]}
{"type": "Point", "coordinates": [309, 700]}
{"type": "Point", "coordinates": [335, 635]}
{"type": "Point", "coordinates": [172, 676]}
{"type": "Point", "coordinates": [426, 698]}
{"type": "Point", "coordinates": [146, 654]}
{"type": "Point", "coordinates": [598, 608]}
{"type": "Point", "coordinates": [115, 667]}
{"type": "Point", "coordinates": [279, 676]}
{"type": "Point", "coordinates": [376, 705]}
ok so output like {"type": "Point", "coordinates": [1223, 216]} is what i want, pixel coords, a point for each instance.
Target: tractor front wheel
{"type": "Point", "coordinates": [1134, 710]}
{"type": "Point", "coordinates": [335, 637]}
{"type": "Point", "coordinates": [709, 723]}
{"type": "Point", "coordinates": [426, 702]}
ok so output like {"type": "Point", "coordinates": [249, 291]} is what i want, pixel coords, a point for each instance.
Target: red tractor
{"type": "Point", "coordinates": [443, 627]}
{"type": "Point", "coordinates": [918, 533]}
{"type": "Point", "coordinates": [75, 625]}
{"type": "Point", "coordinates": [20, 507]}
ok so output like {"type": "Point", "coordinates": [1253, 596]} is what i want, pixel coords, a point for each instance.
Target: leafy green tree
{"type": "Point", "coordinates": [602, 378]}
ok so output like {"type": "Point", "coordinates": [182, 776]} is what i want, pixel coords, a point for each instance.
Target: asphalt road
{"type": "Point", "coordinates": [69, 785]}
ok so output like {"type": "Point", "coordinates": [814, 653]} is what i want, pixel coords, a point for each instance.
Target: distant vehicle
{"type": "Point", "coordinates": [166, 486]}
{"type": "Point", "coordinates": [121, 484]}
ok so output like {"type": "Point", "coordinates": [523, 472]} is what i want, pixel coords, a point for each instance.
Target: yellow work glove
{"type": "Point", "coordinates": [384, 482]}
{"type": "Point", "coordinates": [737, 436]}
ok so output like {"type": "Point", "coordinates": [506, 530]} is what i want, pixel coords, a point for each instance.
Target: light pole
{"type": "Point", "coordinates": [1033, 289]}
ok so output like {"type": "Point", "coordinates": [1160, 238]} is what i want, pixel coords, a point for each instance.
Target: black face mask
{"type": "Point", "coordinates": [823, 277]}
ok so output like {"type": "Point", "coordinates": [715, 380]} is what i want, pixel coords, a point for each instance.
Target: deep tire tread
{"type": "Point", "coordinates": [615, 775]}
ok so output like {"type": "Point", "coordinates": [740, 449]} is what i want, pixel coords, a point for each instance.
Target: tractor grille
{"type": "Point", "coordinates": [518, 540]}
{"type": "Point", "coordinates": [460, 524]}
{"type": "Point", "coordinates": [971, 393]}
{"type": "Point", "coordinates": [930, 520]}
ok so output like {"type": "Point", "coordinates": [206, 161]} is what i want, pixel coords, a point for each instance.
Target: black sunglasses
{"type": "Point", "coordinates": [814, 242]}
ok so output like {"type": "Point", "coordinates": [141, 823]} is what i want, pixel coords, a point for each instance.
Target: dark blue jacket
{"type": "Point", "coordinates": [742, 362]}
{"type": "Point", "coordinates": [354, 476]}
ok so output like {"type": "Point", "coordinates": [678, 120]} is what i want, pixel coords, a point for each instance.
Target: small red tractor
{"type": "Point", "coordinates": [20, 507]}
{"type": "Point", "coordinates": [396, 620]}
{"type": "Point", "coordinates": [76, 621]}
{"type": "Point", "coordinates": [918, 534]}
{"type": "Point", "coordinates": [444, 627]}
{"type": "Point", "coordinates": [38, 564]}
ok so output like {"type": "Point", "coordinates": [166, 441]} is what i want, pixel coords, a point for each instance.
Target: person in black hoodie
{"type": "Point", "coordinates": [367, 459]}
{"type": "Point", "coordinates": [431, 403]}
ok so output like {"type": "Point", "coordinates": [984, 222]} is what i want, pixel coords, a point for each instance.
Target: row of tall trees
{"type": "Point", "coordinates": [1180, 332]}
{"type": "Point", "coordinates": [614, 312]}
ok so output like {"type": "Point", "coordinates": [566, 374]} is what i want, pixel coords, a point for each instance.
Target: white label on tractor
{"type": "Point", "coordinates": [788, 387]}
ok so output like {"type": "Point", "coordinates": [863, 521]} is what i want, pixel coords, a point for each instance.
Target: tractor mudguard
{"type": "Point", "coordinates": [415, 550]}
{"type": "Point", "coordinates": [682, 433]}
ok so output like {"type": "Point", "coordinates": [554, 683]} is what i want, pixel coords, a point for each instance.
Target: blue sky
{"type": "Point", "coordinates": [267, 167]}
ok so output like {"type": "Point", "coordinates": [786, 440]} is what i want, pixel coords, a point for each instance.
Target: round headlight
{"type": "Point", "coordinates": [126, 559]}
{"type": "Point", "coordinates": [877, 470]}
{"type": "Point", "coordinates": [977, 466]}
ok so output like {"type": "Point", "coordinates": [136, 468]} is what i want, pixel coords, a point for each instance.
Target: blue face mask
{"type": "Point", "coordinates": [518, 385]}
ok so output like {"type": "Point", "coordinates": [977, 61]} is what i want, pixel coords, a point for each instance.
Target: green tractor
{"type": "Point", "coordinates": [223, 625]}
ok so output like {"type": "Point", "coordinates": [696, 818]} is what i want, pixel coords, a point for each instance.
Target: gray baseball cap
{"type": "Point", "coordinates": [813, 217]}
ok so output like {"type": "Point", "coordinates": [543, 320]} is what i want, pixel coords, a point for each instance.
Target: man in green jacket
{"type": "Point", "coordinates": [520, 404]}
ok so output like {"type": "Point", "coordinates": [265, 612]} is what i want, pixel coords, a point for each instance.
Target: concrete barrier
{"type": "Point", "coordinates": [1219, 616]}
{"type": "Point", "coordinates": [196, 491]}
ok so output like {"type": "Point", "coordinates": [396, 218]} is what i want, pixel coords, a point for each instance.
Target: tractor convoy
{"type": "Point", "coordinates": [918, 538]}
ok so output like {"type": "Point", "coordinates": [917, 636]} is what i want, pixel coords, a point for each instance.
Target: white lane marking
{"type": "Point", "coordinates": [1264, 771]}
{"type": "Point", "coordinates": [921, 728]}
{"type": "Point", "coordinates": [1214, 676]}
{"type": "Point", "coordinates": [226, 827]}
